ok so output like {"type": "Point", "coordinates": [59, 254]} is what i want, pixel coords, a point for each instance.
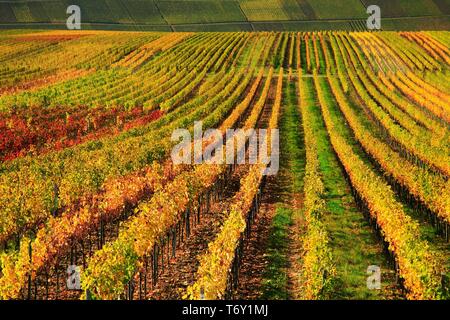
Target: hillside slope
{"type": "Point", "coordinates": [227, 15]}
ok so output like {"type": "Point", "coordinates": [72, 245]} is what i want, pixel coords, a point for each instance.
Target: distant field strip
{"type": "Point", "coordinates": [229, 15]}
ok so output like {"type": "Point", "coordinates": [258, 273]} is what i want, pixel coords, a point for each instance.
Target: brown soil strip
{"type": "Point", "coordinates": [181, 271]}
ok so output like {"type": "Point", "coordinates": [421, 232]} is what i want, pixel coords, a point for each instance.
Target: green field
{"type": "Point", "coordinates": [401, 8]}
{"type": "Point", "coordinates": [227, 15]}
{"type": "Point", "coordinates": [185, 12]}
{"type": "Point", "coordinates": [351, 9]}
{"type": "Point", "coordinates": [257, 10]}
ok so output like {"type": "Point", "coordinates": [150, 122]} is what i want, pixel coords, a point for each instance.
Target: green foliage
{"type": "Point", "coordinates": [215, 15]}
{"type": "Point", "coordinates": [179, 12]}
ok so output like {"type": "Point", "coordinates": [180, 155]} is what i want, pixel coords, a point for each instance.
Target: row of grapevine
{"type": "Point", "coordinates": [412, 178]}
{"type": "Point", "coordinates": [86, 176]}
{"type": "Point", "coordinates": [176, 93]}
{"type": "Point", "coordinates": [430, 189]}
{"type": "Point", "coordinates": [99, 84]}
{"type": "Point", "coordinates": [421, 95]}
{"type": "Point", "coordinates": [437, 79]}
{"type": "Point", "coordinates": [411, 54]}
{"type": "Point", "coordinates": [112, 267]}
{"type": "Point", "coordinates": [429, 89]}
{"type": "Point", "coordinates": [267, 47]}
{"type": "Point", "coordinates": [413, 144]}
{"type": "Point", "coordinates": [142, 54]}
{"type": "Point", "coordinates": [341, 63]}
{"type": "Point", "coordinates": [402, 83]}
{"type": "Point", "coordinates": [33, 131]}
{"type": "Point", "coordinates": [424, 92]}
{"type": "Point", "coordinates": [51, 243]}
{"type": "Point", "coordinates": [436, 49]}
{"type": "Point", "coordinates": [46, 199]}
{"type": "Point", "coordinates": [214, 275]}
{"type": "Point", "coordinates": [59, 234]}
{"type": "Point", "coordinates": [388, 90]}
{"type": "Point", "coordinates": [329, 62]}
{"type": "Point", "coordinates": [402, 118]}
{"type": "Point", "coordinates": [419, 267]}
{"type": "Point", "coordinates": [422, 117]}
{"type": "Point", "coordinates": [89, 51]}
{"type": "Point", "coordinates": [121, 87]}
{"type": "Point", "coordinates": [317, 261]}
{"type": "Point", "coordinates": [102, 278]}
{"type": "Point", "coordinates": [42, 82]}
{"type": "Point", "coordinates": [382, 58]}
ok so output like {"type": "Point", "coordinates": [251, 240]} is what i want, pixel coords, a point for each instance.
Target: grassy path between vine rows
{"type": "Point", "coordinates": [272, 255]}
{"type": "Point", "coordinates": [280, 279]}
{"type": "Point", "coordinates": [354, 244]}
{"type": "Point", "coordinates": [427, 229]}
{"type": "Point", "coordinates": [271, 265]}
{"type": "Point", "coordinates": [264, 265]}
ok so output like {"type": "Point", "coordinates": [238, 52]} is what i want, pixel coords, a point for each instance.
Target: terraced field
{"type": "Point", "coordinates": [87, 120]}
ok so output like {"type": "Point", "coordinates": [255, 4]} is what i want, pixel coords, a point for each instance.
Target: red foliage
{"type": "Point", "coordinates": [38, 130]}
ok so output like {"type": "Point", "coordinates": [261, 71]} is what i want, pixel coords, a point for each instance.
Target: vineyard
{"type": "Point", "coordinates": [226, 15]}
{"type": "Point", "coordinates": [92, 205]}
